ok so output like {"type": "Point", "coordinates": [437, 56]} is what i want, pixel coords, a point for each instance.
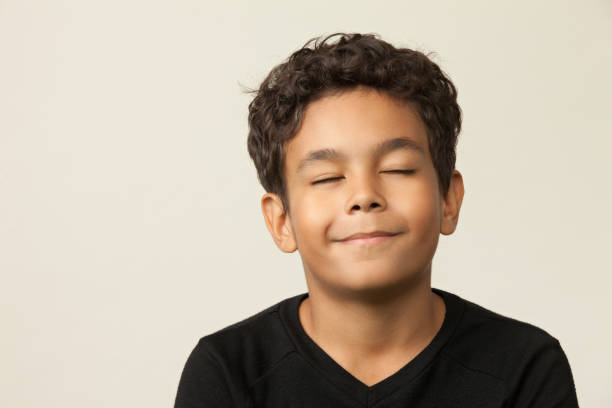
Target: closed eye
{"type": "Point", "coordinates": [338, 178]}
{"type": "Point", "coordinates": [326, 180]}
{"type": "Point", "coordinates": [400, 171]}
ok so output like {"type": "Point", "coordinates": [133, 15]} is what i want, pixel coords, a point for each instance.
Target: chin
{"type": "Point", "coordinates": [370, 283]}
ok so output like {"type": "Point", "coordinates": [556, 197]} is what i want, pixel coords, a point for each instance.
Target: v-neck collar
{"type": "Point", "coordinates": [342, 379]}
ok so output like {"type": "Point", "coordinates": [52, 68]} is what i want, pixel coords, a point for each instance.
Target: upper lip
{"type": "Point", "coordinates": [369, 235]}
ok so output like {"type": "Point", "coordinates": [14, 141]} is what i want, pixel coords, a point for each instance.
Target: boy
{"type": "Point", "coordinates": [354, 143]}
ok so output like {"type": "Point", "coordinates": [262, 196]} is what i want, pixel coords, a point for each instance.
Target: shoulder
{"type": "Point", "coordinates": [223, 365]}
{"type": "Point", "coordinates": [259, 333]}
{"type": "Point", "coordinates": [527, 359]}
{"type": "Point", "coordinates": [247, 349]}
{"type": "Point", "coordinates": [480, 323]}
{"type": "Point", "coordinates": [490, 341]}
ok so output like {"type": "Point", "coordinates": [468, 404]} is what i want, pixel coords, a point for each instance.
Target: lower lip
{"type": "Point", "coordinates": [368, 241]}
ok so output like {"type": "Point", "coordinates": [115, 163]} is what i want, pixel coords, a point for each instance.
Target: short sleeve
{"type": "Point", "coordinates": [202, 383]}
{"type": "Point", "coordinates": [547, 381]}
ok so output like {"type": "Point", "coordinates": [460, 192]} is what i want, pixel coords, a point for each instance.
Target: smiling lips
{"type": "Point", "coordinates": [368, 238]}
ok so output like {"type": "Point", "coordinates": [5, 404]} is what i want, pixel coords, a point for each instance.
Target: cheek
{"type": "Point", "coordinates": [422, 210]}
{"type": "Point", "coordinates": [313, 216]}
{"type": "Point", "coordinates": [317, 205]}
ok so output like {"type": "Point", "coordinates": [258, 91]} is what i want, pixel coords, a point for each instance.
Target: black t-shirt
{"type": "Point", "coordinates": [478, 358]}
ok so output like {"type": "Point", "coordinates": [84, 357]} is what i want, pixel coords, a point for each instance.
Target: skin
{"type": "Point", "coordinates": [370, 307]}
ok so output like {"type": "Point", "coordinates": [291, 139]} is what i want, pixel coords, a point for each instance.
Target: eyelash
{"type": "Point", "coordinates": [338, 178]}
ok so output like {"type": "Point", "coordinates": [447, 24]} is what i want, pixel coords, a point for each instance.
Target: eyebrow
{"type": "Point", "coordinates": [398, 143]}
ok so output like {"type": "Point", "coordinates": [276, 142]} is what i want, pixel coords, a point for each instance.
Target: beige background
{"type": "Point", "coordinates": [130, 223]}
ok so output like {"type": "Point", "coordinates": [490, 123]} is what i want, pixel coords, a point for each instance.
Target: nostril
{"type": "Point", "coordinates": [373, 205]}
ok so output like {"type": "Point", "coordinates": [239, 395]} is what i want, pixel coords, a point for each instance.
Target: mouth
{"type": "Point", "coordinates": [363, 239]}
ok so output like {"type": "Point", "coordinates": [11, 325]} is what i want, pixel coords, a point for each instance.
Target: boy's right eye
{"type": "Point", "coordinates": [326, 180]}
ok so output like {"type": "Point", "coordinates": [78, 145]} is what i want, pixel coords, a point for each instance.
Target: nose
{"type": "Point", "coordinates": [364, 195]}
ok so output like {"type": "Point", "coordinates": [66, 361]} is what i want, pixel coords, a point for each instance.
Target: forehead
{"type": "Point", "coordinates": [361, 123]}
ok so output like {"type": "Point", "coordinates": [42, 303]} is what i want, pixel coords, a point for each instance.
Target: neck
{"type": "Point", "coordinates": [367, 327]}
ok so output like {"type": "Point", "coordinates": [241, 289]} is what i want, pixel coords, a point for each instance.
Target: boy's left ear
{"type": "Point", "coordinates": [452, 204]}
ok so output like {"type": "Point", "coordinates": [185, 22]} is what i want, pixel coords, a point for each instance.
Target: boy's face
{"type": "Point", "coordinates": [365, 191]}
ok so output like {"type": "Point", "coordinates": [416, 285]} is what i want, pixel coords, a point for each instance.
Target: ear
{"type": "Point", "coordinates": [278, 222]}
{"type": "Point", "coordinates": [452, 204]}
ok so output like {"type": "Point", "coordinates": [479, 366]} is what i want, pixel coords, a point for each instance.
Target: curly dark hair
{"type": "Point", "coordinates": [276, 111]}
